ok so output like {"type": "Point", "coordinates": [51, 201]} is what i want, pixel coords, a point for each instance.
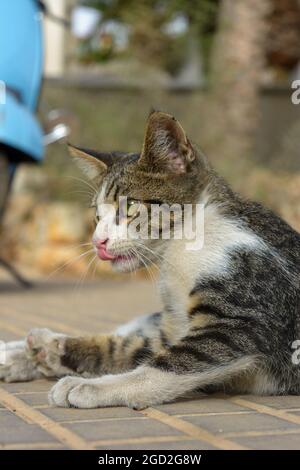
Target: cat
{"type": "Point", "coordinates": [231, 308]}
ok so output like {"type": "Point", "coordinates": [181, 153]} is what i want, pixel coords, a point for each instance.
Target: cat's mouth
{"type": "Point", "coordinates": [104, 255]}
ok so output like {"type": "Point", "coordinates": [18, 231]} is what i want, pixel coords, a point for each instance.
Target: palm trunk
{"type": "Point", "coordinates": [237, 64]}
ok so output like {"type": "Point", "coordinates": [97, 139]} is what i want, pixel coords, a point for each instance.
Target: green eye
{"type": "Point", "coordinates": [97, 218]}
{"type": "Point", "coordinates": [132, 207]}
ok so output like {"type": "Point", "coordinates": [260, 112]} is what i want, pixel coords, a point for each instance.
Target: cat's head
{"type": "Point", "coordinates": [132, 187]}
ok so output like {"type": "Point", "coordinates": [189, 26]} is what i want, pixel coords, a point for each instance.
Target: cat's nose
{"type": "Point", "coordinates": [100, 243]}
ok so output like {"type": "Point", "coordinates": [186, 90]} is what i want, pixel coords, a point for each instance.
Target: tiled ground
{"type": "Point", "coordinates": [218, 422]}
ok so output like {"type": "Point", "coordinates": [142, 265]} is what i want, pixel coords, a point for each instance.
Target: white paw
{"type": "Point", "coordinates": [78, 392]}
{"type": "Point", "coordinates": [47, 347]}
{"type": "Point", "coordinates": [105, 391]}
{"type": "Point", "coordinates": [15, 365]}
{"type": "Point", "coordinates": [86, 395]}
{"type": "Point", "coordinates": [59, 393]}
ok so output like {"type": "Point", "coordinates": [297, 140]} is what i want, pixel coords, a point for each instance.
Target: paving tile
{"type": "Point", "coordinates": [25, 434]}
{"type": "Point", "coordinates": [281, 402]}
{"type": "Point", "coordinates": [71, 414]}
{"type": "Point", "coordinates": [203, 405]}
{"type": "Point", "coordinates": [33, 446]}
{"type": "Point", "coordinates": [119, 429]}
{"type": "Point", "coordinates": [15, 430]}
{"type": "Point", "coordinates": [8, 418]}
{"type": "Point", "coordinates": [34, 399]}
{"type": "Point", "coordinates": [240, 423]}
{"type": "Point", "coordinates": [173, 445]}
{"type": "Point", "coordinates": [286, 442]}
{"type": "Point", "coordinates": [57, 302]}
{"type": "Point", "coordinates": [36, 386]}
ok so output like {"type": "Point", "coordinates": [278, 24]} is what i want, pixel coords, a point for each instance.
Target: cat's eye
{"type": "Point", "coordinates": [132, 207]}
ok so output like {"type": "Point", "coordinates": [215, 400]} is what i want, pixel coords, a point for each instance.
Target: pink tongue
{"type": "Point", "coordinates": [102, 253]}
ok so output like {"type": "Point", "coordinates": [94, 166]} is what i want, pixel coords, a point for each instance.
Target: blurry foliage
{"type": "Point", "coordinates": [147, 19]}
{"type": "Point", "coordinates": [88, 53]}
{"type": "Point", "coordinates": [283, 40]}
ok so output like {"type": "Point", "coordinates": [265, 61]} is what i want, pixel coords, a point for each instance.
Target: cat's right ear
{"type": "Point", "coordinates": [89, 162]}
{"type": "Point", "coordinates": [166, 147]}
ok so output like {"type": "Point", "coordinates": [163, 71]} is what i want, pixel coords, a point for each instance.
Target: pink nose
{"type": "Point", "coordinates": [100, 243]}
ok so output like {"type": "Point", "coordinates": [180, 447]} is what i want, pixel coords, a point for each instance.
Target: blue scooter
{"type": "Point", "coordinates": [21, 70]}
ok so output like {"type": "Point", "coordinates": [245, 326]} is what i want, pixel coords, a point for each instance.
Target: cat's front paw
{"type": "Point", "coordinates": [59, 394]}
{"type": "Point", "coordinates": [48, 348]}
{"type": "Point", "coordinates": [15, 365]}
{"type": "Point", "coordinates": [78, 392]}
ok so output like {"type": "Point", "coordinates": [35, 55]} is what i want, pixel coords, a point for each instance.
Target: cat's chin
{"type": "Point", "coordinates": [125, 265]}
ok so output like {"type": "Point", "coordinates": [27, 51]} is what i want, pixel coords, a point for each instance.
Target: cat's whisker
{"type": "Point", "coordinates": [140, 256]}
{"type": "Point", "coordinates": [95, 267]}
{"type": "Point", "coordinates": [93, 188]}
{"type": "Point", "coordinates": [135, 254]}
{"type": "Point", "coordinates": [150, 264]}
{"type": "Point", "coordinates": [79, 245]}
{"type": "Point", "coordinates": [162, 259]}
{"type": "Point", "coordinates": [73, 260]}
{"type": "Point", "coordinates": [131, 255]}
{"type": "Point", "coordinates": [88, 194]}
{"type": "Point", "coordinates": [88, 268]}
{"type": "Point", "coordinates": [84, 275]}
{"type": "Point", "coordinates": [146, 258]}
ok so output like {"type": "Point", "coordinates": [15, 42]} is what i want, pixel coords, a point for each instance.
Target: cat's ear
{"type": "Point", "coordinates": [166, 147]}
{"type": "Point", "coordinates": [93, 164]}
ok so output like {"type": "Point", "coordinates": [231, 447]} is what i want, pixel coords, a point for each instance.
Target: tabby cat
{"type": "Point", "coordinates": [231, 309]}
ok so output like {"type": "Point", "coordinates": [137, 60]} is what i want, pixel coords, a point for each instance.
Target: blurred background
{"type": "Point", "coordinates": [224, 68]}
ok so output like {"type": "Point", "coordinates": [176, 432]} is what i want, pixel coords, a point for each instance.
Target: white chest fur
{"type": "Point", "coordinates": [185, 267]}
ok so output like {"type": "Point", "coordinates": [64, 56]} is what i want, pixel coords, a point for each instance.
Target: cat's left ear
{"type": "Point", "coordinates": [166, 147]}
{"type": "Point", "coordinates": [93, 164]}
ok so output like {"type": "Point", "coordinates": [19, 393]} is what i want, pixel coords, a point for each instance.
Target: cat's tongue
{"type": "Point", "coordinates": [102, 253]}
